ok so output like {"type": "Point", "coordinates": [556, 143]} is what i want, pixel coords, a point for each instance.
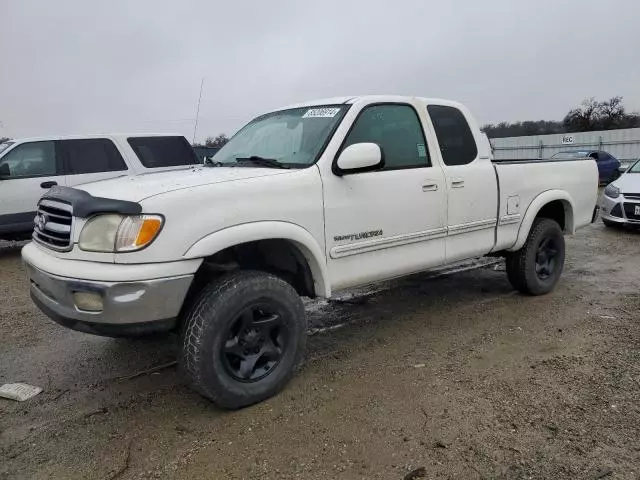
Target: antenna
{"type": "Point", "coordinates": [195, 127]}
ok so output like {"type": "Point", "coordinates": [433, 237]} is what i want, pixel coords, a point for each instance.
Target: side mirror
{"type": "Point", "coordinates": [359, 157]}
{"type": "Point", "coordinates": [4, 170]}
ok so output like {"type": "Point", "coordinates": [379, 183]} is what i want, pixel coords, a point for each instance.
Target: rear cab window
{"type": "Point", "coordinates": [157, 152]}
{"type": "Point", "coordinates": [457, 145]}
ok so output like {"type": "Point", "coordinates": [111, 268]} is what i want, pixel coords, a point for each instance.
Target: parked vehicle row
{"type": "Point", "coordinates": [620, 200]}
{"type": "Point", "coordinates": [303, 201]}
{"type": "Point", "coordinates": [608, 165]}
{"type": "Point", "coordinates": [29, 167]}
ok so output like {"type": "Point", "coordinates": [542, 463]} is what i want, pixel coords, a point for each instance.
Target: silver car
{"type": "Point", "coordinates": [620, 201]}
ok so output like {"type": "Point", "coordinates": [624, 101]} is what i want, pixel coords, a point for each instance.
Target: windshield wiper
{"type": "Point", "coordinates": [261, 161]}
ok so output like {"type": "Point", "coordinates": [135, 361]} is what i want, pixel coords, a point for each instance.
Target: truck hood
{"type": "Point", "coordinates": [136, 189]}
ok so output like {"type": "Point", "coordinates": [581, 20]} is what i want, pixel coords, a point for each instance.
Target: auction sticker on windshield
{"type": "Point", "coordinates": [321, 113]}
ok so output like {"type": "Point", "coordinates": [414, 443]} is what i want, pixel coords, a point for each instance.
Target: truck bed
{"type": "Point", "coordinates": [521, 181]}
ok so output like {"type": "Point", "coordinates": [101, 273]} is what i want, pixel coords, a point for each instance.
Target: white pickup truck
{"type": "Point", "coordinates": [30, 166]}
{"type": "Point", "coordinates": [303, 201]}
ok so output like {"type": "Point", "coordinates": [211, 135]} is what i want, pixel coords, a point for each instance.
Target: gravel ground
{"type": "Point", "coordinates": [454, 377]}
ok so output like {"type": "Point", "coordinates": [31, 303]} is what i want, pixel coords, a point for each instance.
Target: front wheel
{"type": "Point", "coordinates": [244, 337]}
{"type": "Point", "coordinates": [536, 267]}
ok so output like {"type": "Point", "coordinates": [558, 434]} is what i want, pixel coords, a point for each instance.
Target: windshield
{"type": "Point", "coordinates": [635, 168]}
{"type": "Point", "coordinates": [292, 138]}
{"type": "Point", "coordinates": [572, 154]}
{"type": "Point", "coordinates": [5, 145]}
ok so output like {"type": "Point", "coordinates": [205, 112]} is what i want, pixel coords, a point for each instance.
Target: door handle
{"type": "Point", "coordinates": [48, 184]}
{"type": "Point", "coordinates": [429, 187]}
{"type": "Point", "coordinates": [457, 183]}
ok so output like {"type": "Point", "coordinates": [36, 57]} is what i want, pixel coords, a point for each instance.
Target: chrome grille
{"type": "Point", "coordinates": [53, 224]}
{"type": "Point", "coordinates": [632, 196]}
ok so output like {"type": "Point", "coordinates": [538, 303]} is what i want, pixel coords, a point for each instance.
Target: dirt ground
{"type": "Point", "coordinates": [454, 377]}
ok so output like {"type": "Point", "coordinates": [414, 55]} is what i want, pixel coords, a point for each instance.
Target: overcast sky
{"type": "Point", "coordinates": [82, 66]}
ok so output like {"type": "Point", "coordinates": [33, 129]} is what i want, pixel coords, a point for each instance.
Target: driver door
{"type": "Point", "coordinates": [392, 221]}
{"type": "Point", "coordinates": [27, 171]}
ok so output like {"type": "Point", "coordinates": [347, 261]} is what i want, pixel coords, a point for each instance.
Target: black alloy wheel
{"type": "Point", "coordinates": [255, 342]}
{"type": "Point", "coordinates": [546, 258]}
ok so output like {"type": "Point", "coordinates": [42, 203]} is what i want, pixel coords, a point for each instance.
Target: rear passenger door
{"type": "Point", "coordinates": [90, 160]}
{"type": "Point", "coordinates": [471, 185]}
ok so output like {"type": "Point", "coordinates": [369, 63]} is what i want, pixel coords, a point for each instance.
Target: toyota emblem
{"type": "Point", "coordinates": [41, 221]}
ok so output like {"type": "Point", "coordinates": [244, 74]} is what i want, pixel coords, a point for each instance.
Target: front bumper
{"type": "Point", "coordinates": [126, 308]}
{"type": "Point", "coordinates": [616, 210]}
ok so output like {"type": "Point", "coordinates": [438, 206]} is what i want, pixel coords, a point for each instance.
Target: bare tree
{"type": "Point", "coordinates": [584, 118]}
{"type": "Point", "coordinates": [216, 142]}
{"type": "Point", "coordinates": [611, 113]}
{"type": "Point", "coordinates": [590, 115]}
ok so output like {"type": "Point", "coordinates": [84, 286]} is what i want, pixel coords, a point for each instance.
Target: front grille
{"type": "Point", "coordinates": [53, 225]}
{"type": "Point", "coordinates": [630, 211]}
{"type": "Point", "coordinates": [632, 196]}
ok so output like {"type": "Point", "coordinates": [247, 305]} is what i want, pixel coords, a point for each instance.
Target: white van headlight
{"type": "Point", "coordinates": [119, 233]}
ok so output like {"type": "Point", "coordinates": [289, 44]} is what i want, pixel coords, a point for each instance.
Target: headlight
{"type": "Point", "coordinates": [612, 191]}
{"type": "Point", "coordinates": [119, 233]}
{"type": "Point", "coordinates": [99, 233]}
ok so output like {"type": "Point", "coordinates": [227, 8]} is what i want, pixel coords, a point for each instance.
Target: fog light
{"type": "Point", "coordinates": [88, 301]}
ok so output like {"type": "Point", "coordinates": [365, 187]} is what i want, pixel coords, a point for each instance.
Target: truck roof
{"type": "Point", "coordinates": [93, 135]}
{"type": "Point", "coordinates": [372, 99]}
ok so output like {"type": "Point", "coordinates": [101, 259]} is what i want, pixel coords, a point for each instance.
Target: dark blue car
{"type": "Point", "coordinates": [608, 165]}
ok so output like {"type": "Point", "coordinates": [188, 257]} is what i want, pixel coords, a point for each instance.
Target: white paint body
{"type": "Point", "coordinates": [20, 195]}
{"type": "Point", "coordinates": [429, 217]}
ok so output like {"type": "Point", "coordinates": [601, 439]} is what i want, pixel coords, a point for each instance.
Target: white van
{"type": "Point", "coordinates": [30, 166]}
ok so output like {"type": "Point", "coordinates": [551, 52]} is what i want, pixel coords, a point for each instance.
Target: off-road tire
{"type": "Point", "coordinates": [207, 320]}
{"type": "Point", "coordinates": [521, 265]}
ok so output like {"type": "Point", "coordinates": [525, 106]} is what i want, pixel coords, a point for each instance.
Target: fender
{"type": "Point", "coordinates": [249, 232]}
{"type": "Point", "coordinates": [534, 208]}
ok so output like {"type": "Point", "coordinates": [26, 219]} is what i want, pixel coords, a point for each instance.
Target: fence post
{"type": "Point", "coordinates": [541, 149]}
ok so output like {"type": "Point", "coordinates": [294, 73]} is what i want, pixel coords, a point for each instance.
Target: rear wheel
{"type": "Point", "coordinates": [536, 267]}
{"type": "Point", "coordinates": [244, 337]}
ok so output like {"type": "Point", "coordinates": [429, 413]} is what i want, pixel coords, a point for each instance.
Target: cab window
{"type": "Point", "coordinates": [91, 155]}
{"type": "Point", "coordinates": [397, 130]}
{"type": "Point", "coordinates": [457, 145]}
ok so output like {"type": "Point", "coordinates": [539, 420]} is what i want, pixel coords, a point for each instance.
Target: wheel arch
{"type": "Point", "coordinates": [270, 238]}
{"type": "Point", "coordinates": [554, 204]}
